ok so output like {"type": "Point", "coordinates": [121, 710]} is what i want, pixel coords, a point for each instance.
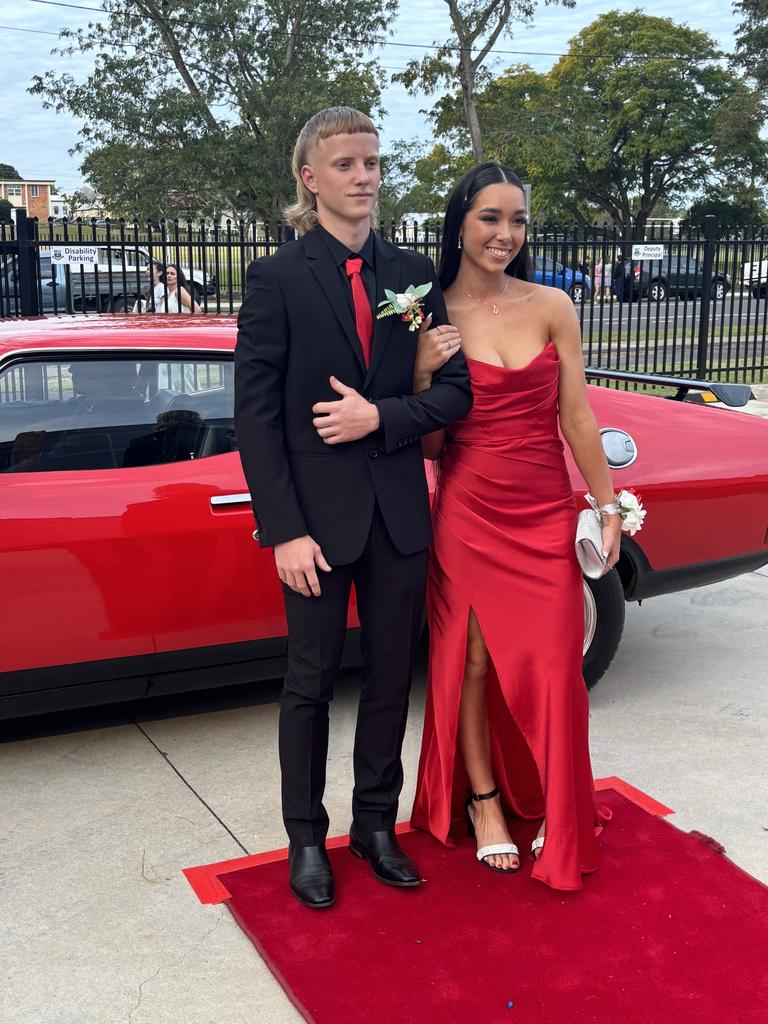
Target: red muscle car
{"type": "Point", "coordinates": [127, 563]}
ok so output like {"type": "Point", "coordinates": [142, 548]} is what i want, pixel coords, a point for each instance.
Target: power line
{"type": "Point", "coordinates": [77, 7]}
{"type": "Point", "coordinates": [36, 31]}
{"type": "Point", "coordinates": [424, 47]}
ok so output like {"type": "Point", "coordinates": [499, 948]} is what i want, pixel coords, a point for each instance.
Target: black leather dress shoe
{"type": "Point", "coordinates": [311, 878]}
{"type": "Point", "coordinates": [388, 862]}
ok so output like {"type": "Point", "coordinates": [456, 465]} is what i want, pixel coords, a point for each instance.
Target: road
{"type": "Point", "coordinates": [101, 811]}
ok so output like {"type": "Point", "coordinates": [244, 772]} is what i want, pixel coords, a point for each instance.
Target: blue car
{"type": "Point", "coordinates": [547, 271]}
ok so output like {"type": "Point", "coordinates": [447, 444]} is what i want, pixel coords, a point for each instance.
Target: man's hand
{"type": "Point", "coordinates": [296, 562]}
{"type": "Point", "coordinates": [348, 419]}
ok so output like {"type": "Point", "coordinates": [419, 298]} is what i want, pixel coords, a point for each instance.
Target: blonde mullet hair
{"type": "Point", "coordinates": [302, 215]}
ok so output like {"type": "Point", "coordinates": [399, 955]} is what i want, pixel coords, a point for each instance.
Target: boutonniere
{"type": "Point", "coordinates": [408, 304]}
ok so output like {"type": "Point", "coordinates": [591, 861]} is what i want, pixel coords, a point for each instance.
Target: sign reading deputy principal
{"type": "Point", "coordinates": [647, 252]}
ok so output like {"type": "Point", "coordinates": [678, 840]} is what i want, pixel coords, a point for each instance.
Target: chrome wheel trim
{"type": "Point", "coordinates": [590, 617]}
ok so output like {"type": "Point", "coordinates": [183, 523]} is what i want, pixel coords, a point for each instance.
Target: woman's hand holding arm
{"type": "Point", "coordinates": [435, 348]}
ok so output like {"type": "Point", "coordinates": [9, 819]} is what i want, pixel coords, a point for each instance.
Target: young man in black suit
{"type": "Point", "coordinates": [329, 433]}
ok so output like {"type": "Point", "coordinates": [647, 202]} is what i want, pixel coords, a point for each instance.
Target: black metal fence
{"type": "Point", "coordinates": [680, 302]}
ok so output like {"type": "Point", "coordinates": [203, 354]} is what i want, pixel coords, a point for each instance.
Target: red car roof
{"type": "Point", "coordinates": [118, 331]}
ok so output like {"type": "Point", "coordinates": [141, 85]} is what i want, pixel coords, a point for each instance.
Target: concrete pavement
{"type": "Point", "coordinates": [102, 810]}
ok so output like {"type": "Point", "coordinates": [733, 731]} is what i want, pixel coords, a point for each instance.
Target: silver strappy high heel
{"type": "Point", "coordinates": [495, 848]}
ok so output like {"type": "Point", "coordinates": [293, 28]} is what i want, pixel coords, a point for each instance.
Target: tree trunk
{"type": "Point", "coordinates": [470, 111]}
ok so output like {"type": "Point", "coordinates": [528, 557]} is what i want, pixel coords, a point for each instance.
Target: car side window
{"type": "Point", "coordinates": [114, 413]}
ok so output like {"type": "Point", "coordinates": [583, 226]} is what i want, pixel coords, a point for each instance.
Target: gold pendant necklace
{"type": "Point", "coordinates": [494, 308]}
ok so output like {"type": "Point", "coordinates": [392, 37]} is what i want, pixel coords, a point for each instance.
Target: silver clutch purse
{"type": "Point", "coordinates": [589, 544]}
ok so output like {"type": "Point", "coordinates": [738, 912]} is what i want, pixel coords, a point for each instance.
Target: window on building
{"type": "Point", "coordinates": [14, 190]}
{"type": "Point", "coordinates": [114, 413]}
{"type": "Point", "coordinates": [34, 191]}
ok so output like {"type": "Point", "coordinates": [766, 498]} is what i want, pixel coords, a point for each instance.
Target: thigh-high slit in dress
{"type": "Point", "coordinates": [504, 528]}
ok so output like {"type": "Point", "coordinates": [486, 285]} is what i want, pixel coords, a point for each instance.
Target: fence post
{"type": "Point", "coordinates": [25, 237]}
{"type": "Point", "coordinates": [710, 230]}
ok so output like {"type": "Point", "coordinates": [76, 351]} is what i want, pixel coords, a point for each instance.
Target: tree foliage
{"type": "Point", "coordinates": [736, 210]}
{"type": "Point", "coordinates": [476, 27]}
{"type": "Point", "coordinates": [194, 110]}
{"type": "Point", "coordinates": [417, 180]}
{"type": "Point", "coordinates": [752, 39]}
{"type": "Point", "coordinates": [9, 173]}
{"type": "Point", "coordinates": [5, 211]}
{"type": "Point", "coordinates": [640, 110]}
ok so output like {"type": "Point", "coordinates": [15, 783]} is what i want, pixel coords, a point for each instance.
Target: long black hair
{"type": "Point", "coordinates": [459, 201]}
{"type": "Point", "coordinates": [181, 281]}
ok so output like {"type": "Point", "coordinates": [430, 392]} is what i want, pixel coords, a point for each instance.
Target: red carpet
{"type": "Point", "coordinates": [668, 931]}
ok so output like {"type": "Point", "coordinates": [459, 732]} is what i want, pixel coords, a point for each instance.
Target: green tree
{"type": "Point", "coordinates": [476, 27]}
{"type": "Point", "coordinates": [193, 110]}
{"type": "Point", "coordinates": [736, 210]}
{"type": "Point", "coordinates": [752, 39]}
{"type": "Point", "coordinates": [9, 173]}
{"type": "Point", "coordinates": [5, 211]}
{"type": "Point", "coordinates": [417, 181]}
{"type": "Point", "coordinates": [638, 111]}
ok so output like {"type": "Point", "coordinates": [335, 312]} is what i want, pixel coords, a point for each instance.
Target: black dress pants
{"type": "Point", "coordinates": [390, 599]}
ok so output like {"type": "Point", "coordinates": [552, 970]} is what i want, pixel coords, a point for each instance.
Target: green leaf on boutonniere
{"type": "Point", "coordinates": [421, 290]}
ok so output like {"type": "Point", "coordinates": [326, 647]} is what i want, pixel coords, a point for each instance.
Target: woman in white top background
{"type": "Point", "coordinates": [177, 299]}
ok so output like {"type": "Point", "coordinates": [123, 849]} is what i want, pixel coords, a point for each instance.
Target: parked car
{"type": "Point", "coordinates": [550, 272]}
{"type": "Point", "coordinates": [111, 286]}
{"type": "Point", "coordinates": [755, 277]}
{"type": "Point", "coordinates": [674, 274]}
{"type": "Point", "coordinates": [126, 553]}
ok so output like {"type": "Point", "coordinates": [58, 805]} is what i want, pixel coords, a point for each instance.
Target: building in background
{"type": "Point", "coordinates": [59, 207]}
{"type": "Point", "coordinates": [34, 195]}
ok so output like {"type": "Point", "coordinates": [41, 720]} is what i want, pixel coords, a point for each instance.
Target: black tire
{"type": "Point", "coordinates": [117, 305]}
{"type": "Point", "coordinates": [198, 293]}
{"type": "Point", "coordinates": [658, 291]}
{"type": "Point", "coordinates": [577, 293]}
{"type": "Point", "coordinates": [719, 289]}
{"type": "Point", "coordinates": [606, 597]}
{"type": "Point", "coordinates": [759, 290]}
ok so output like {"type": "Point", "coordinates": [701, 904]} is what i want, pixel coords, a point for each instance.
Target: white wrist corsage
{"type": "Point", "coordinates": [628, 505]}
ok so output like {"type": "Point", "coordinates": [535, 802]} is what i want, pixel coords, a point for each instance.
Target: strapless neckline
{"type": "Point", "coordinates": [510, 369]}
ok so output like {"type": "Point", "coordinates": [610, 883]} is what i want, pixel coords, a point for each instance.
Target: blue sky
{"type": "Point", "coordinates": [36, 141]}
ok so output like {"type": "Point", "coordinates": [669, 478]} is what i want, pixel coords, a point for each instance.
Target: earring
{"type": "Point", "coordinates": [459, 241]}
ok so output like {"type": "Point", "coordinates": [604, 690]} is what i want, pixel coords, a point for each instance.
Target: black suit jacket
{"type": "Point", "coordinates": [295, 330]}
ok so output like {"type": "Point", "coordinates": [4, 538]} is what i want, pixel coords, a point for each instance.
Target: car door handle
{"type": "Point", "coordinates": [230, 499]}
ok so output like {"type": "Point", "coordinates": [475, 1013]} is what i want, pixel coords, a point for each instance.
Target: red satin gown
{"type": "Point", "coordinates": [504, 527]}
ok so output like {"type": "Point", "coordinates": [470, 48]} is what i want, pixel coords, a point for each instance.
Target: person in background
{"type": "Point", "coordinates": [177, 298]}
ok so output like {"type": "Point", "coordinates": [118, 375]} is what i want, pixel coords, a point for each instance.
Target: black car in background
{"type": "Point", "coordinates": [673, 274]}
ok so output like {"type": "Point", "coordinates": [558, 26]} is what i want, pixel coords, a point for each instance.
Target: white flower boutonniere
{"type": "Point", "coordinates": [408, 304]}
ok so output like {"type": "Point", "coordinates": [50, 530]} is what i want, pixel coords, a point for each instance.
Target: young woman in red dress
{"type": "Point", "coordinates": [506, 726]}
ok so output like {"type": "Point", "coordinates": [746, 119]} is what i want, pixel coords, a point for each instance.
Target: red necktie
{"type": "Point", "coordinates": [363, 314]}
